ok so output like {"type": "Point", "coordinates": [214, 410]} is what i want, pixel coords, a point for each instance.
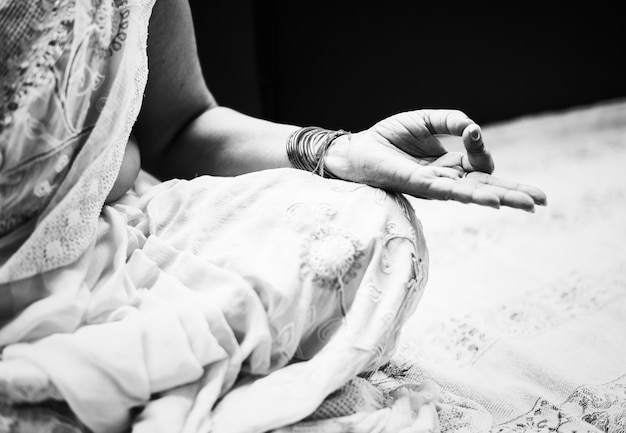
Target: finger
{"type": "Point", "coordinates": [455, 122]}
{"type": "Point", "coordinates": [411, 178]}
{"type": "Point", "coordinates": [417, 127]}
{"type": "Point", "coordinates": [538, 196]}
{"type": "Point", "coordinates": [442, 183]}
{"type": "Point", "coordinates": [478, 155]}
{"type": "Point", "coordinates": [506, 197]}
{"type": "Point", "coordinates": [449, 187]}
{"type": "Point", "coordinates": [453, 160]}
{"type": "Point", "coordinates": [451, 122]}
{"type": "Point", "coordinates": [515, 199]}
{"type": "Point", "coordinates": [444, 188]}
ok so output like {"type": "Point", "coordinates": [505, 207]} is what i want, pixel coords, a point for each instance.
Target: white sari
{"type": "Point", "coordinates": [213, 305]}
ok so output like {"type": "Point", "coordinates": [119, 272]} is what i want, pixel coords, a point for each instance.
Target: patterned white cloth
{"type": "Point", "coordinates": [73, 75]}
{"type": "Point", "coordinates": [248, 304]}
{"type": "Point", "coordinates": [195, 300]}
{"type": "Point", "coordinates": [523, 325]}
{"type": "Point", "coordinates": [267, 291]}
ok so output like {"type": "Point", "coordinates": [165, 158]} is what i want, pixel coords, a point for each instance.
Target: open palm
{"type": "Point", "coordinates": [402, 153]}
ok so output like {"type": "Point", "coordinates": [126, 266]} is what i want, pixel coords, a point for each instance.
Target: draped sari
{"type": "Point", "coordinates": [212, 305]}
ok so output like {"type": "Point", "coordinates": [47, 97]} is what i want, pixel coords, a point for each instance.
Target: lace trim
{"type": "Point", "coordinates": [67, 228]}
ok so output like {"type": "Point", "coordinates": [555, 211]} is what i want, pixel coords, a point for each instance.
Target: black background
{"type": "Point", "coordinates": [347, 64]}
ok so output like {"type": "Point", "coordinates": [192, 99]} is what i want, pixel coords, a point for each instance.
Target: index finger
{"type": "Point", "coordinates": [450, 122]}
{"type": "Point", "coordinates": [455, 122]}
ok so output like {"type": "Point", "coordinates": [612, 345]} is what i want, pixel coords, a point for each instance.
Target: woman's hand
{"type": "Point", "coordinates": [402, 153]}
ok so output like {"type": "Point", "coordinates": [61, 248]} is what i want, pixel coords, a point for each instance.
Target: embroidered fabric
{"type": "Point", "coordinates": [200, 287]}
{"type": "Point", "coordinates": [588, 408]}
{"type": "Point", "coordinates": [36, 45]}
{"type": "Point", "coordinates": [89, 58]}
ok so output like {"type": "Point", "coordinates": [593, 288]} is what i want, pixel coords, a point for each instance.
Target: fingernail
{"type": "Point", "coordinates": [475, 133]}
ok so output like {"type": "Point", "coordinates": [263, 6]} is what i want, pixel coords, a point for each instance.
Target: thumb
{"type": "Point", "coordinates": [478, 155]}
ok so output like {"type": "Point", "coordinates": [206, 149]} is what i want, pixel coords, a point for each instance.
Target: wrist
{"type": "Point", "coordinates": [308, 149]}
{"type": "Point", "coordinates": [337, 158]}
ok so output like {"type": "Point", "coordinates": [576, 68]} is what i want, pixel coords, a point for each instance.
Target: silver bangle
{"type": "Point", "coordinates": [307, 147]}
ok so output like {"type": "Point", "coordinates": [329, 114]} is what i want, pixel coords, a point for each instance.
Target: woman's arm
{"type": "Point", "coordinates": [181, 131]}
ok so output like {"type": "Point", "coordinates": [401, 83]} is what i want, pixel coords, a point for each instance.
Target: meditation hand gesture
{"type": "Point", "coordinates": [402, 153]}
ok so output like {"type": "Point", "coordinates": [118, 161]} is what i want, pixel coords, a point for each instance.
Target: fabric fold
{"type": "Point", "coordinates": [205, 310]}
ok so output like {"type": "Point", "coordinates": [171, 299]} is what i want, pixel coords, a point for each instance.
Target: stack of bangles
{"type": "Point", "coordinates": [307, 147]}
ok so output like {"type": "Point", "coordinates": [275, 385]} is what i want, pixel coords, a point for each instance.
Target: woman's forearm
{"type": "Point", "coordinates": [223, 142]}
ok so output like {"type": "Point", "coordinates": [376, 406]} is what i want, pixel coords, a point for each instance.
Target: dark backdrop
{"type": "Point", "coordinates": [349, 63]}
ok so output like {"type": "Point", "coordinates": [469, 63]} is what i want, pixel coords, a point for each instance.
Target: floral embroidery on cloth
{"type": "Point", "coordinates": [331, 255]}
{"type": "Point", "coordinates": [75, 74]}
{"type": "Point", "coordinates": [461, 341]}
{"type": "Point", "coordinates": [52, 96]}
{"type": "Point", "coordinates": [589, 408]}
